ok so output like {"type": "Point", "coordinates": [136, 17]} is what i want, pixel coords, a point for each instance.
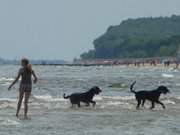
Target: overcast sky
{"type": "Point", "coordinates": [63, 29]}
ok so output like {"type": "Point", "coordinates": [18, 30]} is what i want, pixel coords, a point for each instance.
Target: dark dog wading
{"type": "Point", "coordinates": [87, 97]}
{"type": "Point", "coordinates": [153, 96]}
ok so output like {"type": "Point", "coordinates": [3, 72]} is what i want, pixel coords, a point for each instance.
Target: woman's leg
{"type": "Point", "coordinates": [27, 95]}
{"type": "Point", "coordinates": [21, 93]}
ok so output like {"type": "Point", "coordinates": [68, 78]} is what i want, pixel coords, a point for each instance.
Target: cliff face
{"type": "Point", "coordinates": [143, 37]}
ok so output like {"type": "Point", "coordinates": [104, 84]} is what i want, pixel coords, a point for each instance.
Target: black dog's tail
{"type": "Point", "coordinates": [65, 97]}
{"type": "Point", "coordinates": [131, 88]}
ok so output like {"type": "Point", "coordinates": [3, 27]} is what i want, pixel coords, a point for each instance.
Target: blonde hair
{"type": "Point", "coordinates": [29, 67]}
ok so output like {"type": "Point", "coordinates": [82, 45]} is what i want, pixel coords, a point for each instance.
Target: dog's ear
{"type": "Point", "coordinates": [95, 88]}
{"type": "Point", "coordinates": [92, 89]}
{"type": "Point", "coordinates": [160, 88]}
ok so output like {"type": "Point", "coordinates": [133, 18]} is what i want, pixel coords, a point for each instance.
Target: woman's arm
{"type": "Point", "coordinates": [35, 77]}
{"type": "Point", "coordinates": [16, 79]}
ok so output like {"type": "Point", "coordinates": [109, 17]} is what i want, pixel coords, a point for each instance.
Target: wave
{"type": "Point", "coordinates": [168, 101]}
{"type": "Point", "coordinates": [119, 97]}
{"type": "Point", "coordinates": [9, 122]}
{"type": "Point", "coordinates": [98, 98]}
{"type": "Point", "coordinates": [105, 102]}
{"type": "Point", "coordinates": [117, 103]}
{"type": "Point", "coordinates": [48, 98]}
{"type": "Point", "coordinates": [5, 84]}
{"type": "Point", "coordinates": [6, 79]}
{"type": "Point", "coordinates": [7, 100]}
{"type": "Point", "coordinates": [167, 75]}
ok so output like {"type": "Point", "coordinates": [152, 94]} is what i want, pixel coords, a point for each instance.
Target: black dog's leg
{"type": "Point", "coordinates": [143, 102]}
{"type": "Point", "coordinates": [139, 103]}
{"type": "Point", "coordinates": [163, 106]}
{"type": "Point", "coordinates": [79, 105]}
{"type": "Point", "coordinates": [153, 105]}
{"type": "Point", "coordinates": [72, 104]}
{"type": "Point", "coordinates": [87, 104]}
{"type": "Point", "coordinates": [93, 102]}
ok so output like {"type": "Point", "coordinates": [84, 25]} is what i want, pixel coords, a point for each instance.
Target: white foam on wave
{"type": "Point", "coordinates": [116, 103]}
{"type": "Point", "coordinates": [177, 84]}
{"type": "Point", "coordinates": [5, 84]}
{"type": "Point", "coordinates": [7, 100]}
{"type": "Point", "coordinates": [169, 102]}
{"type": "Point", "coordinates": [167, 75]}
{"type": "Point", "coordinates": [9, 122]}
{"type": "Point", "coordinates": [98, 98]}
{"type": "Point", "coordinates": [119, 97]}
{"type": "Point", "coordinates": [6, 79]}
{"type": "Point", "coordinates": [178, 97]}
{"type": "Point", "coordinates": [7, 103]}
{"type": "Point", "coordinates": [48, 98]}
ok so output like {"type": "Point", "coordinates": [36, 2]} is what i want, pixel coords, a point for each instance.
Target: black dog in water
{"type": "Point", "coordinates": [153, 96]}
{"type": "Point", "coordinates": [86, 97]}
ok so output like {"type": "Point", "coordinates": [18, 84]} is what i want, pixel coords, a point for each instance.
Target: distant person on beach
{"type": "Point", "coordinates": [167, 63]}
{"type": "Point", "coordinates": [26, 73]}
{"type": "Point", "coordinates": [177, 64]}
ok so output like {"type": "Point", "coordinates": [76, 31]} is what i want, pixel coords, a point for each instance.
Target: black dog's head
{"type": "Point", "coordinates": [163, 89]}
{"type": "Point", "coordinates": [95, 90]}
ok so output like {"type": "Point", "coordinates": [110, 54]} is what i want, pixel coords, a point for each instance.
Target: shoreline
{"type": "Point", "coordinates": [110, 65]}
{"type": "Point", "coordinates": [160, 65]}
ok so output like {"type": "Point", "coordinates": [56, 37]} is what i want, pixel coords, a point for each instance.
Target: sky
{"type": "Point", "coordinates": [63, 29]}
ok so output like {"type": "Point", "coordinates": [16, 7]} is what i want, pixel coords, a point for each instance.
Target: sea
{"type": "Point", "coordinates": [114, 114]}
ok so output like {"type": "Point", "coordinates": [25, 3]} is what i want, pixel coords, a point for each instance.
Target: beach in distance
{"type": "Point", "coordinates": [115, 112]}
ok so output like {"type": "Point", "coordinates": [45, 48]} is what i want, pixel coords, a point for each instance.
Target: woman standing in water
{"type": "Point", "coordinates": [26, 73]}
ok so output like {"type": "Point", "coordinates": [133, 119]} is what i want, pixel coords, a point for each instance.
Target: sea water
{"type": "Point", "coordinates": [115, 113]}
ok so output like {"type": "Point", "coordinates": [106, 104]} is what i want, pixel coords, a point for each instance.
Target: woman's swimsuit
{"type": "Point", "coordinates": [26, 80]}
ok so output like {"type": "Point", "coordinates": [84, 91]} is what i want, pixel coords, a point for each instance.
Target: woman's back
{"type": "Point", "coordinates": [26, 76]}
